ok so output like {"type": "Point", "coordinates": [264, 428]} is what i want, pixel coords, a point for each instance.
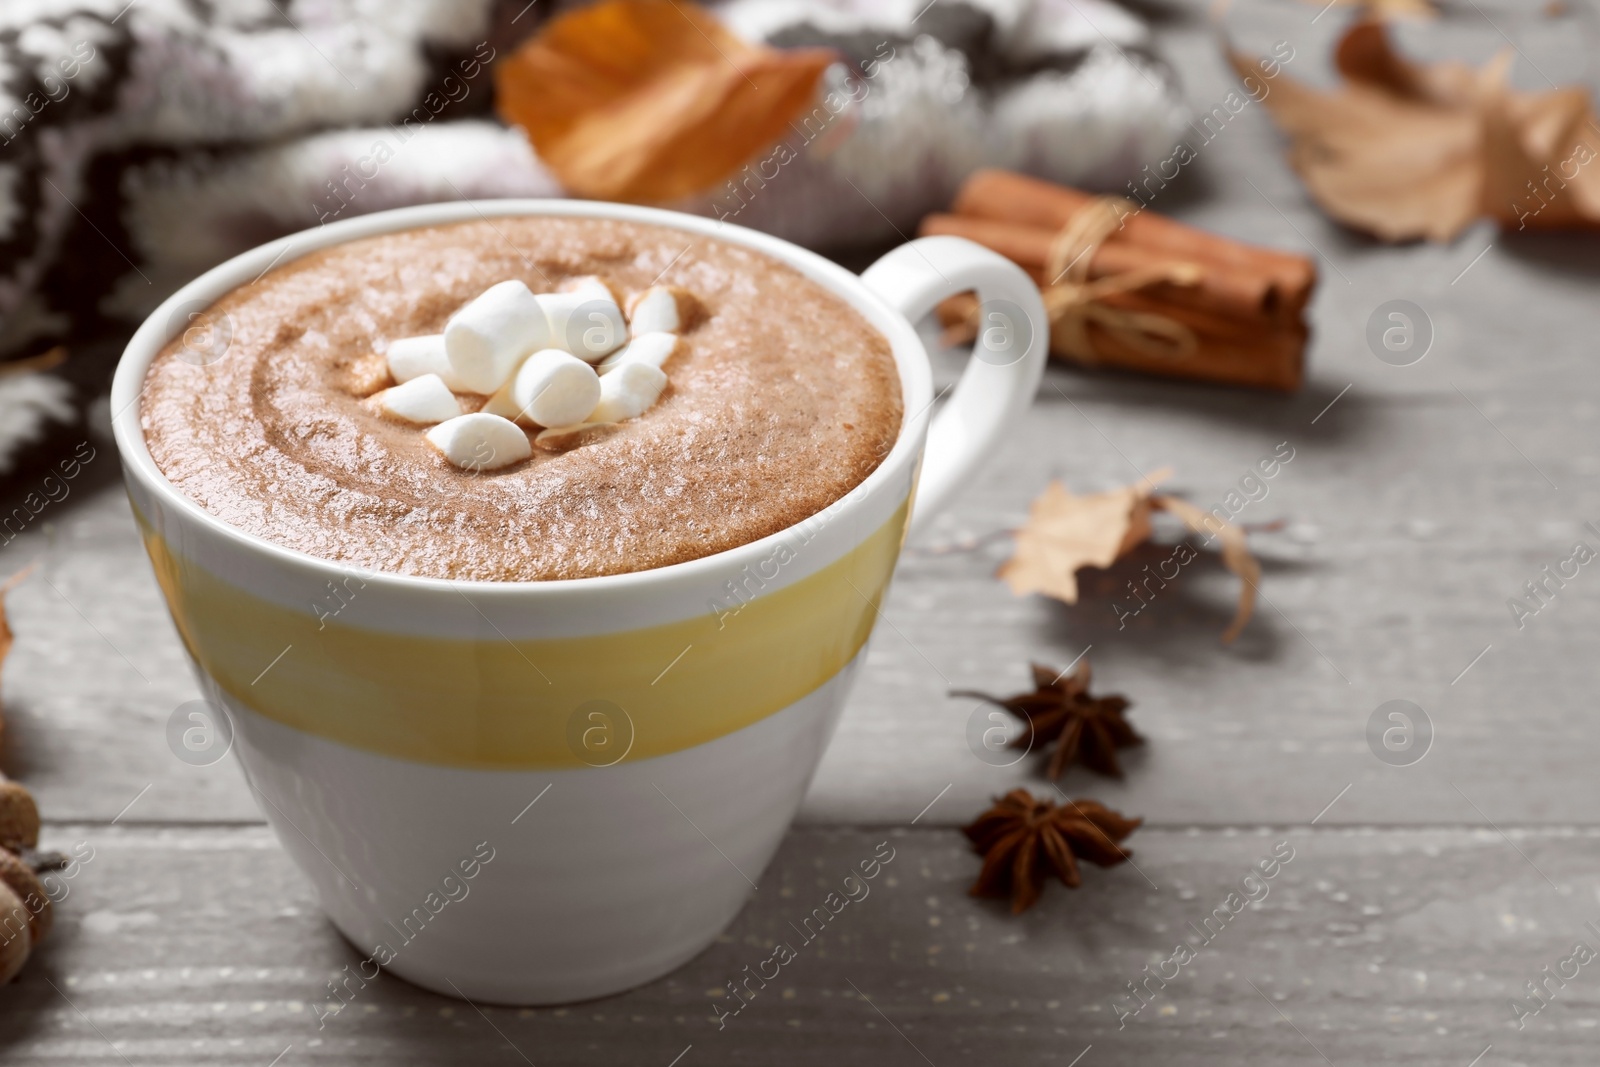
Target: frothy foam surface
{"type": "Point", "coordinates": [781, 400]}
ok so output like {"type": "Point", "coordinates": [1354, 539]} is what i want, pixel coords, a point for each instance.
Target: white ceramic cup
{"type": "Point", "coordinates": [529, 793]}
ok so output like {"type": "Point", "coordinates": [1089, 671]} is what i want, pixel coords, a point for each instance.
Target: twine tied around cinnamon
{"type": "Point", "coordinates": [1073, 303]}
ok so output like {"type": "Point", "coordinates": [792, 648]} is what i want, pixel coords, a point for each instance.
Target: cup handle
{"type": "Point", "coordinates": [1007, 362]}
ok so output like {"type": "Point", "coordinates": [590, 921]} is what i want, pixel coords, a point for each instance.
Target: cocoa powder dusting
{"type": "Point", "coordinates": [781, 400]}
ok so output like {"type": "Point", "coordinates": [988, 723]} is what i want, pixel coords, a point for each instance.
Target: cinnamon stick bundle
{"type": "Point", "coordinates": [1262, 360]}
{"type": "Point", "coordinates": [1246, 295]}
{"type": "Point", "coordinates": [1239, 308]}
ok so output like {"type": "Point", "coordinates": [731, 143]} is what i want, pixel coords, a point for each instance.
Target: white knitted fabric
{"type": "Point", "coordinates": [191, 130]}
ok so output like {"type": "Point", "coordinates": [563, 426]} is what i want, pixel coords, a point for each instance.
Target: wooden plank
{"type": "Point", "coordinates": [190, 946]}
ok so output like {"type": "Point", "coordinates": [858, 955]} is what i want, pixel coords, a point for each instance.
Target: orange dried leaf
{"type": "Point", "coordinates": [1065, 532]}
{"type": "Point", "coordinates": [1364, 55]}
{"type": "Point", "coordinates": [1543, 149]}
{"type": "Point", "coordinates": [1395, 166]}
{"type": "Point", "coordinates": [651, 100]}
{"type": "Point", "coordinates": [1406, 150]}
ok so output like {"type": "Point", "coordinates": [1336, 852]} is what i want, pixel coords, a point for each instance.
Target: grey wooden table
{"type": "Point", "coordinates": [1421, 899]}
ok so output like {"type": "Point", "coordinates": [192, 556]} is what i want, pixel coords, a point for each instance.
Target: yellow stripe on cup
{"type": "Point", "coordinates": [499, 703]}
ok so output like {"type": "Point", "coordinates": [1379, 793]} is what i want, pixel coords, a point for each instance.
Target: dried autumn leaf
{"type": "Point", "coordinates": [1394, 166]}
{"type": "Point", "coordinates": [650, 100]}
{"type": "Point", "coordinates": [1406, 150]}
{"type": "Point", "coordinates": [1235, 556]}
{"type": "Point", "coordinates": [1066, 532]}
{"type": "Point", "coordinates": [1543, 147]}
{"type": "Point", "coordinates": [1365, 56]}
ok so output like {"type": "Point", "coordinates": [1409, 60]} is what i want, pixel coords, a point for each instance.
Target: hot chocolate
{"type": "Point", "coordinates": [779, 399]}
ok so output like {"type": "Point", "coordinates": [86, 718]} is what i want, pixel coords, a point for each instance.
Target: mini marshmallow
{"type": "Point", "coordinates": [627, 391]}
{"type": "Point", "coordinates": [585, 324]}
{"type": "Point", "coordinates": [424, 400]}
{"type": "Point", "coordinates": [412, 357]}
{"type": "Point", "coordinates": [657, 309]}
{"type": "Point", "coordinates": [554, 388]}
{"type": "Point", "coordinates": [652, 348]}
{"type": "Point", "coordinates": [488, 337]}
{"type": "Point", "coordinates": [479, 442]}
{"type": "Point", "coordinates": [501, 403]}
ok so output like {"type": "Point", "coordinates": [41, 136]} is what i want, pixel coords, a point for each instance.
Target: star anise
{"type": "Point", "coordinates": [1085, 728]}
{"type": "Point", "coordinates": [1023, 838]}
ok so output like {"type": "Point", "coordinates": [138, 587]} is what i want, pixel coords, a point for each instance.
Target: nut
{"type": "Point", "coordinates": [26, 885]}
{"type": "Point", "coordinates": [19, 817]}
{"type": "Point", "coordinates": [15, 940]}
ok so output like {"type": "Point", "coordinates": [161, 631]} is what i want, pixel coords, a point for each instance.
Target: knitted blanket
{"type": "Point", "coordinates": [143, 142]}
